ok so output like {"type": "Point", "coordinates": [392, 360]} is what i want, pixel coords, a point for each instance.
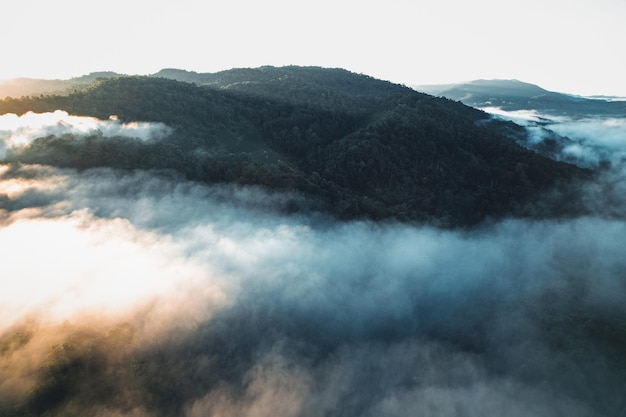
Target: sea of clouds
{"type": "Point", "coordinates": [589, 141]}
{"type": "Point", "coordinates": [142, 294]}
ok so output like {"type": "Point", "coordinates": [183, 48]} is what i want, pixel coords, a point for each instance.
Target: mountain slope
{"type": "Point", "coordinates": [516, 95]}
{"type": "Point", "coordinates": [331, 89]}
{"type": "Point", "coordinates": [20, 87]}
{"type": "Point", "coordinates": [356, 146]}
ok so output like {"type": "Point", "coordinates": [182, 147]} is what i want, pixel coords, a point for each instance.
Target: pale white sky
{"type": "Point", "coordinates": [571, 46]}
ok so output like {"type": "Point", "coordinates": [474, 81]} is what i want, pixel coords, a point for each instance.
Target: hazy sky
{"type": "Point", "coordinates": [571, 46]}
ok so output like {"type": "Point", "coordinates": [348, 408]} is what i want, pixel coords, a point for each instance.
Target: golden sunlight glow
{"type": "Point", "coordinates": [15, 187]}
{"type": "Point", "coordinates": [80, 265]}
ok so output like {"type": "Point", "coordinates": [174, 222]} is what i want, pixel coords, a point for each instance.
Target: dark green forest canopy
{"type": "Point", "coordinates": [357, 146]}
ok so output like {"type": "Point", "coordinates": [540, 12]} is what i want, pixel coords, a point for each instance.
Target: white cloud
{"type": "Point", "coordinates": [587, 142]}
{"type": "Point", "coordinates": [521, 117]}
{"type": "Point", "coordinates": [18, 131]}
{"type": "Point", "coordinates": [57, 269]}
{"type": "Point", "coordinates": [252, 312]}
{"type": "Point", "coordinates": [609, 133]}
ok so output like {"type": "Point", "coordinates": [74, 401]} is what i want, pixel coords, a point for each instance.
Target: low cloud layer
{"type": "Point", "coordinates": [19, 131]}
{"type": "Point", "coordinates": [589, 142]}
{"type": "Point", "coordinates": [132, 294]}
{"type": "Point", "coordinates": [137, 294]}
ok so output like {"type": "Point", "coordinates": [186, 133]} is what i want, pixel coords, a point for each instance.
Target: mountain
{"type": "Point", "coordinates": [188, 256]}
{"type": "Point", "coordinates": [511, 95]}
{"type": "Point", "coordinates": [19, 87]}
{"type": "Point", "coordinates": [356, 147]}
{"type": "Point", "coordinates": [277, 81]}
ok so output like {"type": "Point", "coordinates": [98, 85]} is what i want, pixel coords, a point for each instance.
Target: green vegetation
{"type": "Point", "coordinates": [359, 147]}
{"type": "Point", "coordinates": [516, 95]}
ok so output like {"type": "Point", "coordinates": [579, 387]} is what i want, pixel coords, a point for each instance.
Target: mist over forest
{"type": "Point", "coordinates": [208, 259]}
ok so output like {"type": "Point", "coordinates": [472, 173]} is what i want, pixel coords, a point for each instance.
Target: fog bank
{"type": "Point", "coordinates": [136, 294]}
{"type": "Point", "coordinates": [19, 131]}
{"type": "Point", "coordinates": [590, 142]}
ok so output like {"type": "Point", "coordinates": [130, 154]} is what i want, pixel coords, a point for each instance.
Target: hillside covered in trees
{"type": "Point", "coordinates": [356, 146]}
{"type": "Point", "coordinates": [512, 95]}
{"type": "Point", "coordinates": [176, 245]}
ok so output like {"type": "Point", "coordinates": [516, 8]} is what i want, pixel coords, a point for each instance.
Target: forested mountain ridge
{"type": "Point", "coordinates": [357, 146]}
{"type": "Point", "coordinates": [330, 88]}
{"type": "Point", "coordinates": [514, 95]}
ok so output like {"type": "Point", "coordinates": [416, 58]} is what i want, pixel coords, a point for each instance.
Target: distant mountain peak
{"type": "Point", "coordinates": [519, 95]}
{"type": "Point", "coordinates": [512, 84]}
